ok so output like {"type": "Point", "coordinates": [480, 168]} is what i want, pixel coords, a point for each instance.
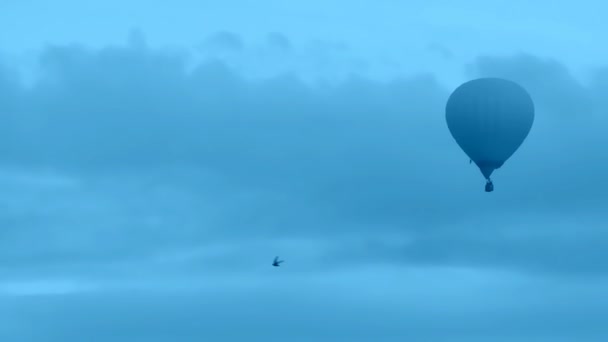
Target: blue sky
{"type": "Point", "coordinates": [155, 157]}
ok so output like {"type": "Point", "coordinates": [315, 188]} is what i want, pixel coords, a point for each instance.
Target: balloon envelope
{"type": "Point", "coordinates": [489, 118]}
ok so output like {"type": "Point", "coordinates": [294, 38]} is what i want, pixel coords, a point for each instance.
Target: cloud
{"type": "Point", "coordinates": [224, 41]}
{"type": "Point", "coordinates": [367, 303]}
{"type": "Point", "coordinates": [549, 82]}
{"type": "Point", "coordinates": [279, 41]}
{"type": "Point", "coordinates": [292, 159]}
{"type": "Point", "coordinates": [144, 199]}
{"type": "Point", "coordinates": [441, 50]}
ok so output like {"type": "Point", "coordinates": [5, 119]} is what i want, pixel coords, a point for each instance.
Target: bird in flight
{"type": "Point", "coordinates": [276, 262]}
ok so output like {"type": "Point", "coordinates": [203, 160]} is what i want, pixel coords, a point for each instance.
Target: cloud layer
{"type": "Point", "coordinates": [125, 165]}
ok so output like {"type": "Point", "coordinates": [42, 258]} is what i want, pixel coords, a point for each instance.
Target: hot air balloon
{"type": "Point", "coordinates": [489, 118]}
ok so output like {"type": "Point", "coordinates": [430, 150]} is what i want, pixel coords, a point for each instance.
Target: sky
{"type": "Point", "coordinates": [156, 156]}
